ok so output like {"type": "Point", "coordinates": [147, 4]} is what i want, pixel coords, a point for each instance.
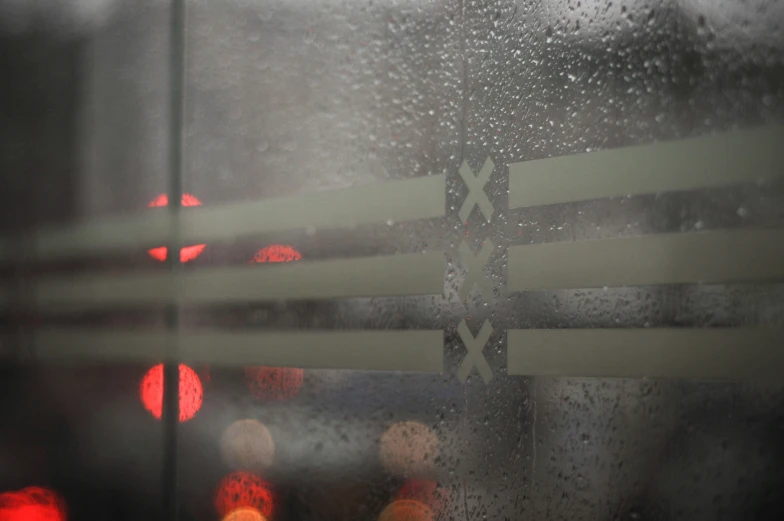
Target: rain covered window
{"type": "Point", "coordinates": [394, 260]}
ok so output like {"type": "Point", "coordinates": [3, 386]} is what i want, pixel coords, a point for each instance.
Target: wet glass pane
{"type": "Point", "coordinates": [434, 259]}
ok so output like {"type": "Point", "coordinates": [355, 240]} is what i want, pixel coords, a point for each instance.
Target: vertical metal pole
{"type": "Point", "coordinates": [171, 376]}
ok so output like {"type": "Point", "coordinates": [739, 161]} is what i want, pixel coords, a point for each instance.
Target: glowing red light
{"type": "Point", "coordinates": [31, 504]}
{"type": "Point", "coordinates": [244, 490]}
{"type": "Point", "coordinates": [425, 491]}
{"type": "Point", "coordinates": [275, 383]}
{"type": "Point", "coordinates": [187, 253]}
{"type": "Point", "coordinates": [163, 200]}
{"type": "Point", "coordinates": [151, 390]}
{"type": "Point", "coordinates": [277, 253]}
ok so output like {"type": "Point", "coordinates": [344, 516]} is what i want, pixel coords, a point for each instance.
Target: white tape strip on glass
{"type": "Point", "coordinates": [689, 164]}
{"type": "Point", "coordinates": [633, 353]}
{"type": "Point", "coordinates": [415, 351]}
{"type": "Point", "coordinates": [412, 199]}
{"type": "Point", "coordinates": [409, 274]}
{"type": "Point", "coordinates": [714, 354]}
{"type": "Point", "coordinates": [723, 256]}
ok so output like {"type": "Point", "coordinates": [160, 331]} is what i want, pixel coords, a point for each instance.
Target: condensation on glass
{"type": "Point", "coordinates": [405, 259]}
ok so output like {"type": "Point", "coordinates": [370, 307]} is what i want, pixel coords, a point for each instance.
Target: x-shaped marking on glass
{"type": "Point", "coordinates": [475, 356]}
{"type": "Point", "coordinates": [476, 190]}
{"type": "Point", "coordinates": [475, 275]}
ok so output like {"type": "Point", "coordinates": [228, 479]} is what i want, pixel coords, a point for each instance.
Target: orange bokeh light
{"type": "Point", "coordinates": [31, 504]}
{"type": "Point", "coordinates": [151, 391]}
{"type": "Point", "coordinates": [244, 490]}
{"type": "Point", "coordinates": [406, 510]}
{"type": "Point", "coordinates": [409, 448]}
{"type": "Point", "coordinates": [275, 383]}
{"type": "Point", "coordinates": [245, 514]}
{"type": "Point", "coordinates": [187, 253]}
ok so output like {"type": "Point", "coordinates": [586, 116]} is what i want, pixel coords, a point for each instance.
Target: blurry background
{"type": "Point", "coordinates": [288, 97]}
